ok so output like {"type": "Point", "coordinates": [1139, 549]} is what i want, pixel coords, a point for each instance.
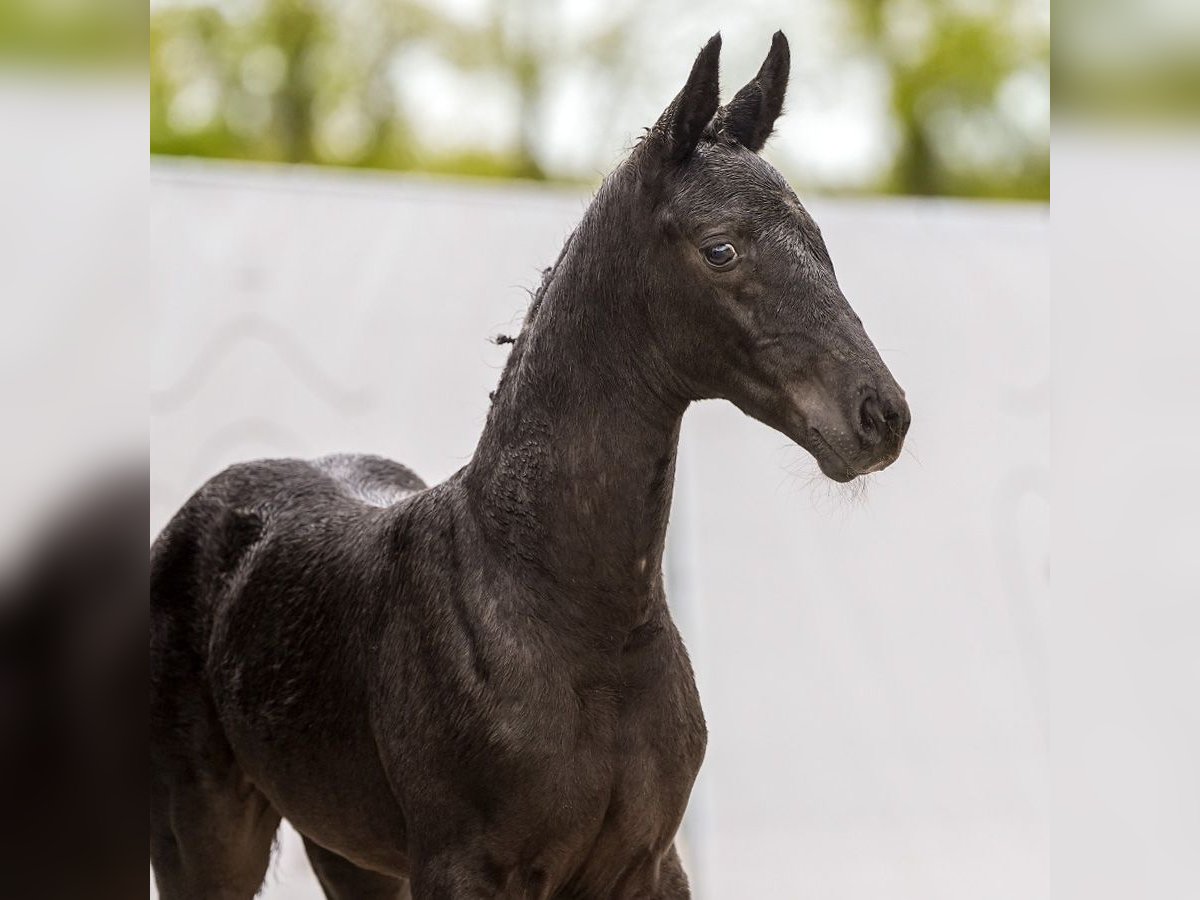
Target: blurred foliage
{"type": "Point", "coordinates": [319, 82]}
{"type": "Point", "coordinates": [74, 33]}
{"type": "Point", "coordinates": [292, 81]}
{"type": "Point", "coordinates": [948, 62]}
{"type": "Point", "coordinates": [1129, 61]}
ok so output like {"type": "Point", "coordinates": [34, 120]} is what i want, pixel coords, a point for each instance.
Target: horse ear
{"type": "Point", "coordinates": [679, 128]}
{"type": "Point", "coordinates": [750, 116]}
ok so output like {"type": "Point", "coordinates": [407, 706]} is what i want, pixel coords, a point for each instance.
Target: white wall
{"type": "Point", "coordinates": [873, 669]}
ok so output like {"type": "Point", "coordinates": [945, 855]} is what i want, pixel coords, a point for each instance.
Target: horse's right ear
{"type": "Point", "coordinates": [678, 130]}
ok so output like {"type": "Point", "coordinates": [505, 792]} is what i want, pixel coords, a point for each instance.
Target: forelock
{"type": "Point", "coordinates": [721, 172]}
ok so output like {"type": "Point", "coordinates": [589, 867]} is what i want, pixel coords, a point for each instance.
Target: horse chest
{"type": "Point", "coordinates": [604, 805]}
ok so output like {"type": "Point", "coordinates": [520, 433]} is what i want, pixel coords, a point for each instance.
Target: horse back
{"type": "Point", "coordinates": [212, 544]}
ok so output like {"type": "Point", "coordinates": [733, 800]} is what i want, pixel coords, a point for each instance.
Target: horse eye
{"type": "Point", "coordinates": [720, 256]}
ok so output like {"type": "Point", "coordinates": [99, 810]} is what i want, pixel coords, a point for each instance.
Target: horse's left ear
{"type": "Point", "coordinates": [750, 116]}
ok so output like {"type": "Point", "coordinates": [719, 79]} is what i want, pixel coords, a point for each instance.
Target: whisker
{"type": "Point", "coordinates": [828, 497]}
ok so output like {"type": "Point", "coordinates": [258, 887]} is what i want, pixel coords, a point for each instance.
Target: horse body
{"type": "Point", "coordinates": [337, 642]}
{"type": "Point", "coordinates": [475, 689]}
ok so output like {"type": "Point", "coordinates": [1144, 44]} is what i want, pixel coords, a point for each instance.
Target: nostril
{"type": "Point", "coordinates": [870, 419]}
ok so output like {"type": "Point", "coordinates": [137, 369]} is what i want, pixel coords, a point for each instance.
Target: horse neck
{"type": "Point", "coordinates": [573, 476]}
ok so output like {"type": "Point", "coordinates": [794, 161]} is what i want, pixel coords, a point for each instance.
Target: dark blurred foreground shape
{"type": "Point", "coordinates": [73, 699]}
{"type": "Point", "coordinates": [73, 574]}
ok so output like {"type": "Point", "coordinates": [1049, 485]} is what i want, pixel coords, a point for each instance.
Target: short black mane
{"type": "Point", "coordinates": [535, 304]}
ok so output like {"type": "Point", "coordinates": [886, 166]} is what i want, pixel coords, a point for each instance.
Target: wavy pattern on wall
{"type": "Point", "coordinates": [253, 328]}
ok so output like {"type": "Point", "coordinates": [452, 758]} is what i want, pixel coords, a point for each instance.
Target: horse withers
{"type": "Point", "coordinates": [475, 689]}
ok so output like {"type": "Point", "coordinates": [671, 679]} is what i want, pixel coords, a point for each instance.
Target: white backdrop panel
{"type": "Point", "coordinates": [872, 668]}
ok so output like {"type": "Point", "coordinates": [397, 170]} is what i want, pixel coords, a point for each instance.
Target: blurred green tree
{"type": "Point", "coordinates": [297, 81]}
{"type": "Point", "coordinates": [273, 84]}
{"type": "Point", "coordinates": [950, 64]}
